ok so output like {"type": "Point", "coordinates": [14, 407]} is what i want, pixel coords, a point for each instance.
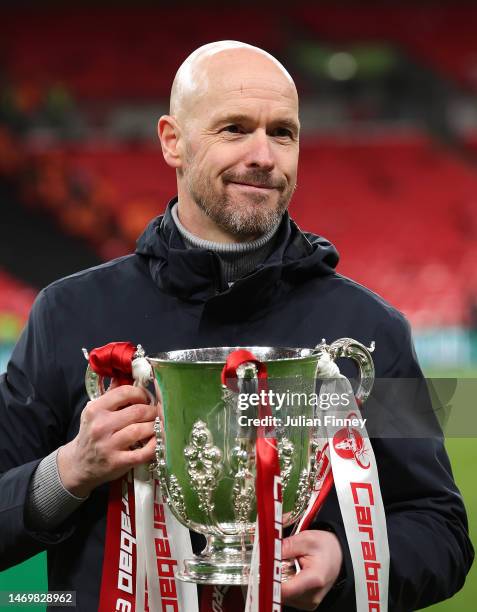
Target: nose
{"type": "Point", "coordinates": [260, 154]}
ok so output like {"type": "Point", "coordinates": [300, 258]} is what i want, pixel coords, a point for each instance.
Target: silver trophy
{"type": "Point", "coordinates": [206, 433]}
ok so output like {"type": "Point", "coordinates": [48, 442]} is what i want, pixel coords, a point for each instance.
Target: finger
{"type": "Point", "coordinates": [138, 456]}
{"type": "Point", "coordinates": [300, 544]}
{"type": "Point", "coordinates": [305, 587]}
{"type": "Point", "coordinates": [122, 396]}
{"type": "Point", "coordinates": [114, 384]}
{"type": "Point", "coordinates": [137, 413]}
{"type": "Point", "coordinates": [130, 435]}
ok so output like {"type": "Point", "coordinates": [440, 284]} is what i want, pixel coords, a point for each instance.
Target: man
{"type": "Point", "coordinates": [224, 266]}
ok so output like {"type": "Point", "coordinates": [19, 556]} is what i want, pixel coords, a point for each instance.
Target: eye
{"type": "Point", "coordinates": [232, 129]}
{"type": "Point", "coordinates": [282, 132]}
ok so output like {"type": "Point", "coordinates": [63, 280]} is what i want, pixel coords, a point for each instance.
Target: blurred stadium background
{"type": "Point", "coordinates": [388, 168]}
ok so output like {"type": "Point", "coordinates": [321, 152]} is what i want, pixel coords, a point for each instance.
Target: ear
{"type": "Point", "coordinates": [169, 134]}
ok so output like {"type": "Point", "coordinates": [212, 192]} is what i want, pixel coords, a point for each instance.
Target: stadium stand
{"type": "Point", "coordinates": [122, 51]}
{"type": "Point", "coordinates": [416, 29]}
{"type": "Point", "coordinates": [140, 181]}
{"type": "Point", "coordinates": [16, 299]}
{"type": "Point", "coordinates": [403, 216]}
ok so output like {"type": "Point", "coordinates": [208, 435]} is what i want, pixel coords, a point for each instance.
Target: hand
{"type": "Point", "coordinates": [320, 557]}
{"type": "Point", "coordinates": [104, 450]}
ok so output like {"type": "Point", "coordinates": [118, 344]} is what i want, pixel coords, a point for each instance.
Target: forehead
{"type": "Point", "coordinates": [233, 84]}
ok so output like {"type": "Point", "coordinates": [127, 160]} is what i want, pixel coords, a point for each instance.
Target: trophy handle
{"type": "Point", "coordinates": [141, 370]}
{"type": "Point", "coordinates": [94, 384]}
{"type": "Point", "coordinates": [361, 355]}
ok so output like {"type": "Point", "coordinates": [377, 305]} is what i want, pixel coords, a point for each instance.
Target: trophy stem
{"type": "Point", "coordinates": [224, 560]}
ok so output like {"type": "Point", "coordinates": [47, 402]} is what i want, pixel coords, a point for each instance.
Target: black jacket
{"type": "Point", "coordinates": [168, 297]}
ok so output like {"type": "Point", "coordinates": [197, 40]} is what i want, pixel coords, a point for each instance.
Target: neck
{"type": "Point", "coordinates": [237, 259]}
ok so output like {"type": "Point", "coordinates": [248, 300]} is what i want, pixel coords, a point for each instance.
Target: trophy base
{"type": "Point", "coordinates": [225, 560]}
{"type": "Point", "coordinates": [203, 571]}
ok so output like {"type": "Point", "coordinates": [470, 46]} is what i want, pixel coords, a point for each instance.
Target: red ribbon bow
{"type": "Point", "coordinates": [114, 360]}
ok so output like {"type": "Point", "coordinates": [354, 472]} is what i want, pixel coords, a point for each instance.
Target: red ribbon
{"type": "Point", "coordinates": [319, 501]}
{"type": "Point", "coordinates": [267, 486]}
{"type": "Point", "coordinates": [118, 579]}
{"type": "Point", "coordinates": [114, 360]}
{"type": "Point", "coordinates": [234, 360]}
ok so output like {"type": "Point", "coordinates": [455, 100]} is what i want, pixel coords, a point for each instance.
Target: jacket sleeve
{"type": "Point", "coordinates": [33, 423]}
{"type": "Point", "coordinates": [430, 549]}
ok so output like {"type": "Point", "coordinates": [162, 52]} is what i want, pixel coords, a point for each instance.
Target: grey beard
{"type": "Point", "coordinates": [238, 222]}
{"type": "Point", "coordinates": [235, 220]}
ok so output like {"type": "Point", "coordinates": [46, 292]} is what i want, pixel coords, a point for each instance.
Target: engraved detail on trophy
{"type": "Point", "coordinates": [204, 465]}
{"type": "Point", "coordinates": [176, 498]}
{"type": "Point", "coordinates": [159, 466]}
{"type": "Point", "coordinates": [302, 498]}
{"type": "Point", "coordinates": [228, 397]}
{"type": "Point", "coordinates": [243, 492]}
{"type": "Point", "coordinates": [171, 490]}
{"type": "Point", "coordinates": [285, 454]}
{"type": "Point", "coordinates": [313, 464]}
{"type": "Point", "coordinates": [306, 483]}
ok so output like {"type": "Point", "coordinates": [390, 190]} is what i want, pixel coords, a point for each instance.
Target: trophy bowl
{"type": "Point", "coordinates": [206, 434]}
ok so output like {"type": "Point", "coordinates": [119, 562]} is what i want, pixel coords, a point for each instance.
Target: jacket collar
{"type": "Point", "coordinates": [194, 274]}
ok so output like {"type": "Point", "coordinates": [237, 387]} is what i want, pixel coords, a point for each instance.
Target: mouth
{"type": "Point", "coordinates": [257, 187]}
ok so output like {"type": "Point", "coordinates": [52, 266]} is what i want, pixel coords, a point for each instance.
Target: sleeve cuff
{"type": "Point", "coordinates": [49, 503]}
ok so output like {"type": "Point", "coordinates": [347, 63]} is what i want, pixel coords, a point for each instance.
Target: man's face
{"type": "Point", "coordinates": [241, 147]}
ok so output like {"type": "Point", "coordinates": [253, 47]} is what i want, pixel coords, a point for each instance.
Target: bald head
{"type": "Point", "coordinates": [212, 64]}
